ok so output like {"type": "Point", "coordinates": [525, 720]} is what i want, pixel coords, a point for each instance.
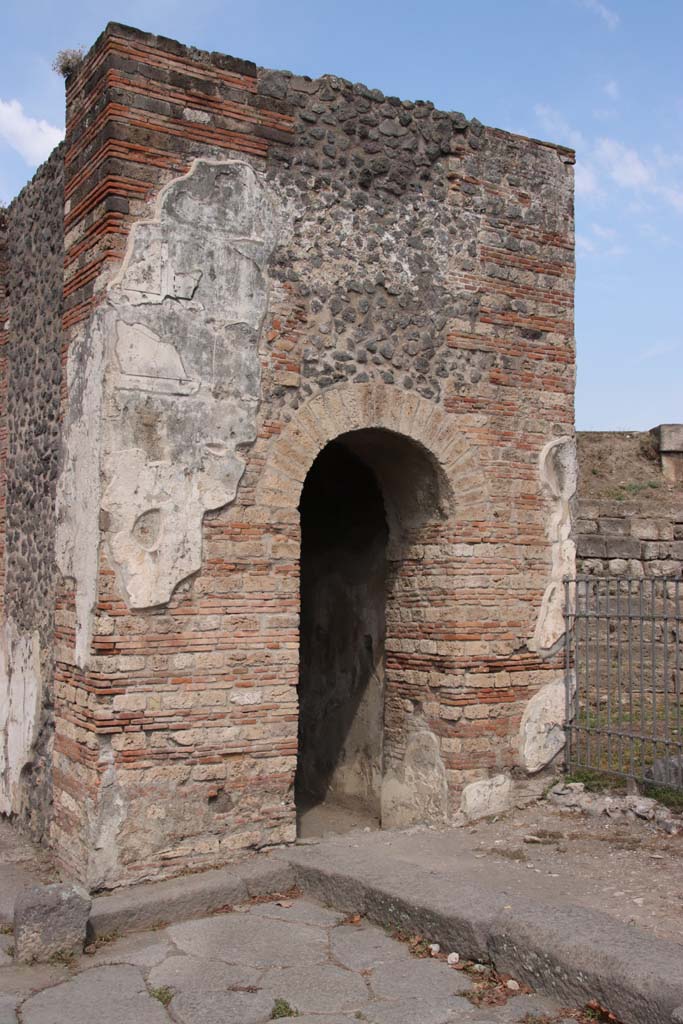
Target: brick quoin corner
{"type": "Point", "coordinates": [285, 304]}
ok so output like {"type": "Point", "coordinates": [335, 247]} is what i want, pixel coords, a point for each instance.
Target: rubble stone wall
{"type": "Point", "coordinates": [29, 459]}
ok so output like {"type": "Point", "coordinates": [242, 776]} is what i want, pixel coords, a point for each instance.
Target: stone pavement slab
{"type": "Point", "coordinates": [314, 1018]}
{"type": "Point", "coordinates": [209, 992]}
{"type": "Point", "coordinates": [302, 910]}
{"type": "Point", "coordinates": [7, 1010]}
{"type": "Point", "coordinates": [141, 949]}
{"type": "Point", "coordinates": [320, 989]}
{"type": "Point", "coordinates": [235, 968]}
{"type": "Point", "coordinates": [250, 940]}
{"type": "Point", "coordinates": [103, 995]}
{"type": "Point", "coordinates": [21, 979]}
{"type": "Point", "coordinates": [362, 946]}
{"type": "Point", "coordinates": [424, 980]}
{"type": "Point", "coordinates": [410, 1011]}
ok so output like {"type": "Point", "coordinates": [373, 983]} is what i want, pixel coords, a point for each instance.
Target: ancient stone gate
{"type": "Point", "coordinates": [284, 304]}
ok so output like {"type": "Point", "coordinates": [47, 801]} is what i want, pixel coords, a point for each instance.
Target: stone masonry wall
{"type": "Point", "coordinates": [256, 264]}
{"type": "Point", "coordinates": [4, 335]}
{"type": "Point", "coordinates": [629, 515]}
{"type": "Point", "coordinates": [30, 438]}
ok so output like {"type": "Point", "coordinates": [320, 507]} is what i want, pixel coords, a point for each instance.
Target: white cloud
{"type": "Point", "coordinates": [609, 158]}
{"type": "Point", "coordinates": [602, 232]}
{"type": "Point", "coordinates": [674, 196]}
{"type": "Point", "coordinates": [660, 348]}
{"type": "Point", "coordinates": [557, 126]}
{"type": "Point", "coordinates": [34, 140]}
{"type": "Point", "coordinates": [596, 248]}
{"type": "Point", "coordinates": [608, 15]}
{"type": "Point", "coordinates": [585, 180]}
{"type": "Point", "coordinates": [611, 89]}
{"type": "Point", "coordinates": [623, 165]}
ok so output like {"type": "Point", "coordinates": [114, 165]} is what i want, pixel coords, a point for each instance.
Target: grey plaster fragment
{"type": "Point", "coordinates": [108, 995]}
{"type": "Point", "coordinates": [50, 919]}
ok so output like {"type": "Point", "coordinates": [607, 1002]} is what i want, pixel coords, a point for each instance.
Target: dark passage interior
{"type": "Point", "coordinates": [341, 676]}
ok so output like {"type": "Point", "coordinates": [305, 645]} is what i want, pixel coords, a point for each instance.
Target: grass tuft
{"type": "Point", "coordinates": [164, 994]}
{"type": "Point", "coordinates": [281, 1008]}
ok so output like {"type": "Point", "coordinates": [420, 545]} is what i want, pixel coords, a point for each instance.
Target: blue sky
{"type": "Point", "coordinates": [604, 77]}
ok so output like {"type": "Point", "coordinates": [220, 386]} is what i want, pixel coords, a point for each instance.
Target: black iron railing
{"type": "Point", "coordinates": [623, 667]}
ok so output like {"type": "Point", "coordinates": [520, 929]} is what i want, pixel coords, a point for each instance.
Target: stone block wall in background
{"type": "Point", "coordinates": [630, 509]}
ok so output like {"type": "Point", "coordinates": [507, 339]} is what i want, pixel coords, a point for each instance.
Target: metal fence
{"type": "Point", "coordinates": [623, 665]}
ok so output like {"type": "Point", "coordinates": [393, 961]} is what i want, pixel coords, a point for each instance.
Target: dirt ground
{"type": "Point", "coordinates": [627, 870]}
{"type": "Point", "coordinates": [625, 467]}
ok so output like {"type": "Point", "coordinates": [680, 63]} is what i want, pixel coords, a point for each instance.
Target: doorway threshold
{"type": "Point", "coordinates": [318, 820]}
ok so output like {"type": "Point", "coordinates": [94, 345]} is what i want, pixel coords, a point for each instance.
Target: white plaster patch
{"type": "Point", "coordinates": [106, 815]}
{"type": "Point", "coordinates": [183, 380]}
{"type": "Point", "coordinates": [558, 473]}
{"type": "Point", "coordinates": [153, 558]}
{"type": "Point", "coordinates": [542, 728]}
{"type": "Point", "coordinates": [148, 363]}
{"type": "Point", "coordinates": [20, 698]}
{"type": "Point", "coordinates": [78, 488]}
{"type": "Point", "coordinates": [417, 791]}
{"type": "Point", "coordinates": [163, 384]}
{"type": "Point", "coordinates": [487, 797]}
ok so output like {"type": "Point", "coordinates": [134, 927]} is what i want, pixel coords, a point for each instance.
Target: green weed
{"type": "Point", "coordinates": [281, 1008]}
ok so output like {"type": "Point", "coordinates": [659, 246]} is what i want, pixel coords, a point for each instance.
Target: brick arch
{"type": "Point", "coordinates": [350, 407]}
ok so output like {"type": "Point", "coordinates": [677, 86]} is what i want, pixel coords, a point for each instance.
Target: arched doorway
{"type": "Point", "coordinates": [364, 504]}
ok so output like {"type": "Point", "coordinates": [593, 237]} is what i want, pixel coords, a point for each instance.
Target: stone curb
{"type": "Point", "coordinates": [154, 904]}
{"type": "Point", "coordinates": [571, 953]}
